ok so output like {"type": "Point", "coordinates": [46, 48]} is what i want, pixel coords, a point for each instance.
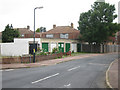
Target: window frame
{"type": "Point", "coordinates": [48, 36]}
{"type": "Point", "coordinates": [64, 35]}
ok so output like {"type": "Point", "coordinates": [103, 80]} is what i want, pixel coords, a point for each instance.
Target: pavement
{"type": "Point", "coordinates": [112, 75]}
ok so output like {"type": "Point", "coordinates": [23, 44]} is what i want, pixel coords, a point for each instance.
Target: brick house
{"type": "Point", "coordinates": [27, 33]}
{"type": "Point", "coordinates": [63, 37]}
{"type": "Point", "coordinates": [115, 40]}
{"type": "Point", "coordinates": [118, 38]}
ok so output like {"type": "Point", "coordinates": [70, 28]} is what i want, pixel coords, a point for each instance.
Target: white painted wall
{"type": "Point", "coordinates": [18, 48]}
{"type": "Point", "coordinates": [74, 47]}
{"type": "Point", "coordinates": [53, 45]}
{"type": "Point", "coordinates": [14, 49]}
{"type": "Point", "coordinates": [21, 40]}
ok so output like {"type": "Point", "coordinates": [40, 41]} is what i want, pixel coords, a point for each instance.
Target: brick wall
{"type": "Point", "coordinates": [11, 60]}
{"type": "Point", "coordinates": [48, 57]}
{"type": "Point", "coordinates": [57, 35]}
{"type": "Point", "coordinates": [74, 35]}
{"type": "Point", "coordinates": [29, 59]}
{"type": "Point", "coordinates": [31, 36]}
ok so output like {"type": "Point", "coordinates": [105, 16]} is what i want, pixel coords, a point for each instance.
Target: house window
{"type": "Point", "coordinates": [49, 36]}
{"type": "Point", "coordinates": [64, 35]}
{"type": "Point", "coordinates": [22, 35]}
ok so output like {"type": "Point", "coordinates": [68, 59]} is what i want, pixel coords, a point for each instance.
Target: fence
{"type": "Point", "coordinates": [99, 48]}
{"type": "Point", "coordinates": [90, 48]}
{"type": "Point", "coordinates": [111, 48]}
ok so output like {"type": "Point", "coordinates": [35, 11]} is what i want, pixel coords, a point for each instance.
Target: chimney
{"type": "Point", "coordinates": [72, 25]}
{"type": "Point", "coordinates": [28, 27]}
{"type": "Point", "coordinates": [54, 26]}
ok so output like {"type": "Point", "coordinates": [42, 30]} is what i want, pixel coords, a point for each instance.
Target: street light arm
{"type": "Point", "coordinates": [39, 7]}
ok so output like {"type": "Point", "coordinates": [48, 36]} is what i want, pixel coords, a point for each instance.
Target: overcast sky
{"type": "Point", "coordinates": [20, 13]}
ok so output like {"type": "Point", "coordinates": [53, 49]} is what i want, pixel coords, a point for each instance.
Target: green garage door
{"type": "Point", "coordinates": [61, 47]}
{"type": "Point", "coordinates": [45, 47]}
{"type": "Point", "coordinates": [67, 47]}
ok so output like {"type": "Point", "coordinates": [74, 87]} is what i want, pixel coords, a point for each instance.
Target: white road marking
{"type": "Point", "coordinates": [9, 70]}
{"type": "Point", "coordinates": [67, 85]}
{"type": "Point", "coordinates": [6, 70]}
{"type": "Point", "coordinates": [45, 78]}
{"type": "Point", "coordinates": [73, 68]}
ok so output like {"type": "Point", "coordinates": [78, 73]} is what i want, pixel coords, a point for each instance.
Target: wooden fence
{"type": "Point", "coordinates": [99, 48]}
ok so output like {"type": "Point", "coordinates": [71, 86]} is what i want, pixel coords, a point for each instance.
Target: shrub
{"type": "Point", "coordinates": [55, 50]}
{"type": "Point", "coordinates": [73, 51]}
{"type": "Point", "coordinates": [38, 49]}
{"type": "Point", "coordinates": [42, 53]}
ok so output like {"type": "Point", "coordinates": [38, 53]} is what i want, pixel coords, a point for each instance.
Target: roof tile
{"type": "Point", "coordinates": [61, 29]}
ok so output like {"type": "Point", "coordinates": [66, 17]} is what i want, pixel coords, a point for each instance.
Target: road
{"type": "Point", "coordinates": [86, 72]}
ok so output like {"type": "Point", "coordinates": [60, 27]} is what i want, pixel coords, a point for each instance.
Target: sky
{"type": "Point", "coordinates": [20, 13]}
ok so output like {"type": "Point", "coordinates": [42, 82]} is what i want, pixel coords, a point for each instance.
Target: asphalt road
{"type": "Point", "coordinates": [87, 72]}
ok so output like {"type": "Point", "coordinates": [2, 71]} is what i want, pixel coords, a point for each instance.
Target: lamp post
{"type": "Point", "coordinates": [34, 35]}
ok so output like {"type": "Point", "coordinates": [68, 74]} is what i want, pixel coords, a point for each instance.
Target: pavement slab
{"type": "Point", "coordinates": [113, 74]}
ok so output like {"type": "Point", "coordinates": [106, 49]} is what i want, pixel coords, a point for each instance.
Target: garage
{"type": "Point", "coordinates": [61, 47]}
{"type": "Point", "coordinates": [67, 47]}
{"type": "Point", "coordinates": [45, 47]}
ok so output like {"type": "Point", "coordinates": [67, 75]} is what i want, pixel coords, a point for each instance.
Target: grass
{"type": "Point", "coordinates": [0, 41]}
{"type": "Point", "coordinates": [74, 54]}
{"type": "Point", "coordinates": [79, 53]}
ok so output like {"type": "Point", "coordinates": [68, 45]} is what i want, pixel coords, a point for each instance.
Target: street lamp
{"type": "Point", "coordinates": [34, 35]}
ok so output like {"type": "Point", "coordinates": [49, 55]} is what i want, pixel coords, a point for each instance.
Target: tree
{"type": "Point", "coordinates": [41, 29]}
{"type": "Point", "coordinates": [9, 34]}
{"type": "Point", "coordinates": [97, 25]}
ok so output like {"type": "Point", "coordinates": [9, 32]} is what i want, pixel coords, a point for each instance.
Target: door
{"type": "Point", "coordinates": [78, 47]}
{"type": "Point", "coordinates": [45, 47]}
{"type": "Point", "coordinates": [74, 47]}
{"type": "Point", "coordinates": [61, 47]}
{"type": "Point", "coordinates": [53, 45]}
{"type": "Point", "coordinates": [31, 47]}
{"type": "Point", "coordinates": [67, 47]}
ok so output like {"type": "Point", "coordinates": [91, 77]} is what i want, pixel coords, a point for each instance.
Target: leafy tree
{"type": "Point", "coordinates": [97, 25]}
{"type": "Point", "coordinates": [9, 34]}
{"type": "Point", "coordinates": [41, 29]}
